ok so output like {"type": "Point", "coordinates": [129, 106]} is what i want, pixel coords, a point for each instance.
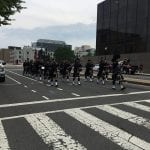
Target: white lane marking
{"type": "Point", "coordinates": [75, 94]}
{"type": "Point", "coordinates": [126, 115]}
{"type": "Point", "coordinates": [33, 91]}
{"type": "Point", "coordinates": [140, 92]}
{"type": "Point", "coordinates": [61, 110]}
{"type": "Point", "coordinates": [48, 85]}
{"type": "Point", "coordinates": [138, 106]}
{"type": "Point", "coordinates": [58, 100]}
{"type": "Point", "coordinates": [21, 75]}
{"type": "Point", "coordinates": [60, 89]}
{"type": "Point", "coordinates": [52, 134]}
{"type": "Point", "coordinates": [13, 79]}
{"type": "Point", "coordinates": [148, 101]}
{"type": "Point", "coordinates": [25, 86]}
{"type": "Point", "coordinates": [118, 136]}
{"type": "Point", "coordinates": [3, 138]}
{"type": "Point", "coordinates": [45, 97]}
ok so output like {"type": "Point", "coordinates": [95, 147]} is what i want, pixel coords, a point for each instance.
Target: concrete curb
{"type": "Point", "coordinates": [138, 81]}
{"type": "Point", "coordinates": [142, 74]}
{"type": "Point", "coordinates": [10, 66]}
{"type": "Point", "coordinates": [130, 80]}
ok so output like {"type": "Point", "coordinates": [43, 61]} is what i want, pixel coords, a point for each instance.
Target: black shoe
{"type": "Point", "coordinates": [123, 88]}
{"type": "Point", "coordinates": [114, 87]}
{"type": "Point", "coordinates": [56, 84]}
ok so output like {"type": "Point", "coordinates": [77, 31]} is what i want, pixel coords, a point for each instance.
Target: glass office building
{"type": "Point", "coordinates": [50, 45]}
{"type": "Point", "coordinates": [123, 26]}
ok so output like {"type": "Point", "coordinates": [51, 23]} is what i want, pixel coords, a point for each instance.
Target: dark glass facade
{"type": "Point", "coordinates": [52, 47]}
{"type": "Point", "coordinates": [123, 26]}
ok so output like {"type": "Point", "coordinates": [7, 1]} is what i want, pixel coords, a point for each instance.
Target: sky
{"type": "Point", "coordinates": [72, 21]}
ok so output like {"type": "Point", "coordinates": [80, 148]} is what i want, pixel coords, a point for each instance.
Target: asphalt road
{"type": "Point", "coordinates": [36, 116]}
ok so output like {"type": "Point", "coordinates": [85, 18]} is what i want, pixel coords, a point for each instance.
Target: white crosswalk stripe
{"type": "Point", "coordinates": [55, 137]}
{"type": "Point", "coordinates": [52, 134]}
{"type": "Point", "coordinates": [138, 106]}
{"type": "Point", "coordinates": [3, 139]}
{"type": "Point", "coordinates": [118, 136]}
{"type": "Point", "coordinates": [148, 101]}
{"type": "Point", "coordinates": [126, 115]}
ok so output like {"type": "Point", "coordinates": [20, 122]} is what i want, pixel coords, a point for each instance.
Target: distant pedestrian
{"type": "Point", "coordinates": [141, 68]}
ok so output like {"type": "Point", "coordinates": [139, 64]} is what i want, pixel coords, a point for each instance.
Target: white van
{"type": "Point", "coordinates": [2, 73]}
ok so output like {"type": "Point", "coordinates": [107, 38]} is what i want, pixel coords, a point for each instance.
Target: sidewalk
{"type": "Point", "coordinates": [12, 66]}
{"type": "Point", "coordinates": [141, 79]}
{"type": "Point", "coordinates": [132, 79]}
{"type": "Point", "coordinates": [138, 81]}
{"type": "Point", "coordinates": [143, 74]}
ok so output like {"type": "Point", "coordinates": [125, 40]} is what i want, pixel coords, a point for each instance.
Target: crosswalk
{"type": "Point", "coordinates": [103, 127]}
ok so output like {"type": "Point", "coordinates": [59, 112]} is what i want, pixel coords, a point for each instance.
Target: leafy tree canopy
{"type": "Point", "coordinates": [8, 8]}
{"type": "Point", "coordinates": [64, 53]}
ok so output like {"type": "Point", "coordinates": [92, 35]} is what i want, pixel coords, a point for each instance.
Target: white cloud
{"type": "Point", "coordinates": [75, 34]}
{"type": "Point", "coordinates": [55, 12]}
{"type": "Point", "coordinates": [44, 15]}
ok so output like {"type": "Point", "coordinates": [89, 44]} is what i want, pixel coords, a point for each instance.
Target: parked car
{"type": "Point", "coordinates": [2, 73]}
{"type": "Point", "coordinates": [134, 69]}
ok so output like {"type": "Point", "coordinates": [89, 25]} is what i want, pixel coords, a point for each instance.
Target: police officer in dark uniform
{"type": "Point", "coordinates": [116, 73]}
{"type": "Point", "coordinates": [101, 73]}
{"type": "Point", "coordinates": [66, 69]}
{"type": "Point", "coordinates": [24, 67]}
{"type": "Point", "coordinates": [41, 69]}
{"type": "Point", "coordinates": [77, 68]}
{"type": "Point", "coordinates": [54, 72]}
{"type": "Point", "coordinates": [61, 69]}
{"type": "Point", "coordinates": [89, 70]}
{"type": "Point", "coordinates": [106, 69]}
{"type": "Point", "coordinates": [46, 70]}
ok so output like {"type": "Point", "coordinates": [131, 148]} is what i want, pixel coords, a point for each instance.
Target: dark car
{"type": "Point", "coordinates": [134, 69]}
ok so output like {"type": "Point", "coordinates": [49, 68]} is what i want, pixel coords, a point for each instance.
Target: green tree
{"type": "Point", "coordinates": [64, 53]}
{"type": "Point", "coordinates": [9, 8]}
